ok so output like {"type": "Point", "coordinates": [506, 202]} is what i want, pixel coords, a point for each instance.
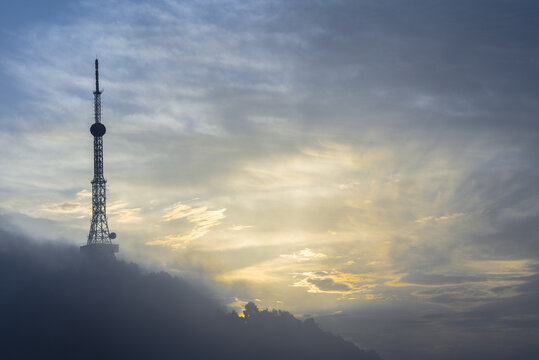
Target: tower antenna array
{"type": "Point", "coordinates": [99, 237]}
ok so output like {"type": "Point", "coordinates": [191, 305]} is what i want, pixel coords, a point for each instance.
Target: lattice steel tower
{"type": "Point", "coordinates": [99, 238]}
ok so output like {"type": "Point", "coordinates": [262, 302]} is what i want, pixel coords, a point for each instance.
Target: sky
{"type": "Point", "coordinates": [369, 163]}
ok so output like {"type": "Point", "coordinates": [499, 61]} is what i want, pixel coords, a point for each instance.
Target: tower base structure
{"type": "Point", "coordinates": [99, 249]}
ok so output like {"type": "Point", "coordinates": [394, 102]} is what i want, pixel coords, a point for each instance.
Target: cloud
{"type": "Point", "coordinates": [65, 207]}
{"type": "Point", "coordinates": [240, 227]}
{"type": "Point", "coordinates": [334, 282]}
{"type": "Point", "coordinates": [84, 193]}
{"type": "Point", "coordinates": [80, 208]}
{"type": "Point", "coordinates": [328, 285]}
{"type": "Point", "coordinates": [202, 218]}
{"type": "Point", "coordinates": [304, 255]}
{"type": "Point", "coordinates": [122, 214]}
{"type": "Point", "coordinates": [439, 279]}
{"type": "Point", "coordinates": [427, 219]}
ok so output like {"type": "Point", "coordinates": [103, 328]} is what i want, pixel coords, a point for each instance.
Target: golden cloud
{"type": "Point", "coordinates": [203, 219]}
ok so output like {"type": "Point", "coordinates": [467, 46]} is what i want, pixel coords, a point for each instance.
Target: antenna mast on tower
{"type": "Point", "coordinates": [99, 238]}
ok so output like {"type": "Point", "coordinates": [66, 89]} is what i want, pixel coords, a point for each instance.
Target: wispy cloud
{"type": "Point", "coordinates": [431, 218]}
{"type": "Point", "coordinates": [240, 227]}
{"type": "Point", "coordinates": [119, 211]}
{"type": "Point", "coordinates": [65, 207]}
{"type": "Point", "coordinates": [80, 207]}
{"type": "Point", "coordinates": [334, 282]}
{"type": "Point", "coordinates": [202, 218]}
{"type": "Point", "coordinates": [304, 255]}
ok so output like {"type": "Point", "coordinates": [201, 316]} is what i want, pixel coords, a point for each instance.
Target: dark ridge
{"type": "Point", "coordinates": [57, 305]}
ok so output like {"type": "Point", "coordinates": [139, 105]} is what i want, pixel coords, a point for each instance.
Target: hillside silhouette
{"type": "Point", "coordinates": [57, 305]}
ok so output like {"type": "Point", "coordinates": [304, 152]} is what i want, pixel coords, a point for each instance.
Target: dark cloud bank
{"type": "Point", "coordinates": [56, 305]}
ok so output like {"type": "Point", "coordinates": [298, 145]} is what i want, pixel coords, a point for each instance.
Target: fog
{"type": "Point", "coordinates": [57, 304]}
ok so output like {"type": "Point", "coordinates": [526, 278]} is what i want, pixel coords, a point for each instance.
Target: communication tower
{"type": "Point", "coordinates": [99, 238]}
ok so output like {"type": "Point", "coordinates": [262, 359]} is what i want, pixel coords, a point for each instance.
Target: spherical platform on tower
{"type": "Point", "coordinates": [98, 129]}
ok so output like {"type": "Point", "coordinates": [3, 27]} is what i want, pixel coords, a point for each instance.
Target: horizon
{"type": "Point", "coordinates": [370, 164]}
